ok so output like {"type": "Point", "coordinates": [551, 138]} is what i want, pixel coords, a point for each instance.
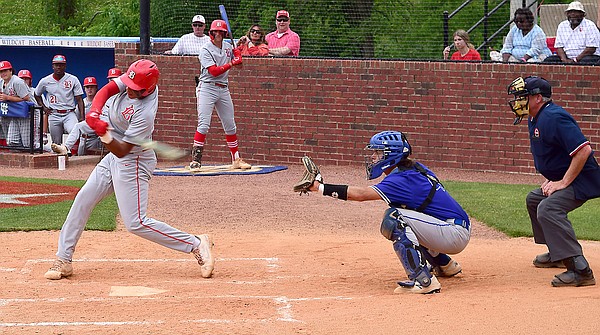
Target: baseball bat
{"type": "Point", "coordinates": [163, 150]}
{"type": "Point", "coordinates": [226, 19]}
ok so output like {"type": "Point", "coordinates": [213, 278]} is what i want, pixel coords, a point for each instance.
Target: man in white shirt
{"type": "Point", "coordinates": [577, 38]}
{"type": "Point", "coordinates": [190, 44]}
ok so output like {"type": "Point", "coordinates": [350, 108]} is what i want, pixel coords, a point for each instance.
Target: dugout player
{"type": "Point", "coordinates": [424, 222]}
{"type": "Point", "coordinates": [565, 158]}
{"type": "Point", "coordinates": [126, 171]}
{"type": "Point", "coordinates": [63, 94]}
{"type": "Point", "coordinates": [212, 92]}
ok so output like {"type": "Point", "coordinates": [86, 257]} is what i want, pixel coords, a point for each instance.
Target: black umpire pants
{"type": "Point", "coordinates": [550, 223]}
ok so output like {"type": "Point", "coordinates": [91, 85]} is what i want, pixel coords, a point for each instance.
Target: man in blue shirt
{"type": "Point", "coordinates": [424, 222]}
{"type": "Point", "coordinates": [565, 158]}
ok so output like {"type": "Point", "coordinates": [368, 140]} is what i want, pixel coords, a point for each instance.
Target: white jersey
{"type": "Point", "coordinates": [212, 55]}
{"type": "Point", "coordinates": [574, 41]}
{"type": "Point", "coordinates": [190, 44]}
{"type": "Point", "coordinates": [132, 120]}
{"type": "Point", "coordinates": [60, 94]}
{"type": "Point", "coordinates": [15, 87]}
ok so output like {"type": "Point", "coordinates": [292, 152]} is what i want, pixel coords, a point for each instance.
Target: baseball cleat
{"type": "Point", "coordinates": [543, 261]}
{"type": "Point", "coordinates": [59, 269]}
{"type": "Point", "coordinates": [60, 149]}
{"type": "Point", "coordinates": [414, 286]}
{"type": "Point", "coordinates": [574, 278]}
{"type": "Point", "coordinates": [239, 163]}
{"type": "Point", "coordinates": [449, 270]}
{"type": "Point", "coordinates": [203, 254]}
{"type": "Point", "coordinates": [195, 165]}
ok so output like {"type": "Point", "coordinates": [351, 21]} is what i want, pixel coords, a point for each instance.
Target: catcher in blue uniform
{"type": "Point", "coordinates": [424, 222]}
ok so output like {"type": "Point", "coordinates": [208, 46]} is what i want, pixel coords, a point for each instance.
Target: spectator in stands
{"type": "Point", "coordinates": [63, 95]}
{"type": "Point", "coordinates": [190, 44]}
{"type": "Point", "coordinates": [13, 89]}
{"type": "Point", "coordinates": [113, 73]}
{"type": "Point", "coordinates": [577, 38]}
{"type": "Point", "coordinates": [465, 50]}
{"type": "Point", "coordinates": [526, 41]}
{"type": "Point", "coordinates": [283, 41]}
{"type": "Point", "coordinates": [88, 140]}
{"type": "Point", "coordinates": [253, 43]}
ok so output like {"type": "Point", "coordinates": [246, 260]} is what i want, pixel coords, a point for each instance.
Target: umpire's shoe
{"type": "Point", "coordinates": [543, 261]}
{"type": "Point", "coordinates": [203, 254]}
{"type": "Point", "coordinates": [578, 273]}
{"type": "Point", "coordinates": [60, 268]}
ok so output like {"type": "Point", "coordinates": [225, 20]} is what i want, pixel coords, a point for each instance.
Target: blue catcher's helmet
{"type": "Point", "coordinates": [394, 147]}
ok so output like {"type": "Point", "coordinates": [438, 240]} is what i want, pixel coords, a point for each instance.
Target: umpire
{"type": "Point", "coordinates": [565, 158]}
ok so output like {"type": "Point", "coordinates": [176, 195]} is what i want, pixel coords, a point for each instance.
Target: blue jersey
{"type": "Point", "coordinates": [408, 188]}
{"type": "Point", "coordinates": [555, 137]}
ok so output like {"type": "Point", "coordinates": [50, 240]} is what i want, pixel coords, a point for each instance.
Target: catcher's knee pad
{"type": "Point", "coordinates": [392, 223]}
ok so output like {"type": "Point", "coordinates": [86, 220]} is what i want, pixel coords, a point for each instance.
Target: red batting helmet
{"type": "Point", "coordinates": [114, 73]}
{"type": "Point", "coordinates": [24, 74]}
{"type": "Point", "coordinates": [59, 59]}
{"type": "Point", "coordinates": [142, 75]}
{"type": "Point", "coordinates": [5, 65]}
{"type": "Point", "coordinates": [218, 25]}
{"type": "Point", "coordinates": [90, 81]}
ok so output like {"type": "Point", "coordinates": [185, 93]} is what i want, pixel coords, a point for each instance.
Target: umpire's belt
{"type": "Point", "coordinates": [62, 111]}
{"type": "Point", "coordinates": [216, 84]}
{"type": "Point", "coordinates": [460, 222]}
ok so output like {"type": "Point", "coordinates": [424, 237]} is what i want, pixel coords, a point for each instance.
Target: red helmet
{"type": "Point", "coordinates": [5, 65]}
{"type": "Point", "coordinates": [90, 81]}
{"type": "Point", "coordinates": [114, 73]}
{"type": "Point", "coordinates": [142, 75]}
{"type": "Point", "coordinates": [24, 74]}
{"type": "Point", "coordinates": [218, 25]}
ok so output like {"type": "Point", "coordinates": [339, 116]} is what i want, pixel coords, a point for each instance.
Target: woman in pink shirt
{"type": "Point", "coordinates": [465, 50]}
{"type": "Point", "coordinates": [253, 43]}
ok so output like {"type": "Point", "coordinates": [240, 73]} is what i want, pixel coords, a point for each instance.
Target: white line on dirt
{"type": "Point", "coordinates": [91, 323]}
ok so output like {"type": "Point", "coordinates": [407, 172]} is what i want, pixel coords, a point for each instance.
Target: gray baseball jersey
{"type": "Point", "coordinates": [211, 55]}
{"type": "Point", "coordinates": [60, 94]}
{"type": "Point", "coordinates": [15, 87]}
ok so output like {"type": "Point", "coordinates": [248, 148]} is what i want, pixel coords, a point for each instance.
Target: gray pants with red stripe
{"type": "Point", "coordinates": [128, 178]}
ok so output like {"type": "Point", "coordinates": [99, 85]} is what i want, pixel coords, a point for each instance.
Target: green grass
{"type": "Point", "coordinates": [502, 207]}
{"type": "Point", "coordinates": [52, 216]}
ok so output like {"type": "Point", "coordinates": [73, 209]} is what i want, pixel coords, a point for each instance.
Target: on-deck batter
{"type": "Point", "coordinates": [126, 171]}
{"type": "Point", "coordinates": [213, 93]}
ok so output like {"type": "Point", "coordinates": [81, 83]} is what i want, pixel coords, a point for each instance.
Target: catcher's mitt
{"type": "Point", "coordinates": [311, 174]}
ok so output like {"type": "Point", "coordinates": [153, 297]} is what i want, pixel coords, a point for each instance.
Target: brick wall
{"type": "Point", "coordinates": [455, 114]}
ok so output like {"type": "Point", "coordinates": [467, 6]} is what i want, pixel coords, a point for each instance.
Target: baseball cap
{"type": "Point", "coordinates": [538, 85]}
{"type": "Point", "coordinates": [282, 13]}
{"type": "Point", "coordinates": [198, 18]}
{"type": "Point", "coordinates": [59, 59]}
{"type": "Point", "coordinates": [90, 81]}
{"type": "Point", "coordinates": [5, 65]}
{"type": "Point", "coordinates": [575, 5]}
{"type": "Point", "coordinates": [114, 73]}
{"type": "Point", "coordinates": [24, 74]}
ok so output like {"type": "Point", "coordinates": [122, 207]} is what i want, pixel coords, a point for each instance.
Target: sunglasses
{"type": "Point", "coordinates": [254, 31]}
{"type": "Point", "coordinates": [283, 20]}
{"type": "Point", "coordinates": [198, 25]}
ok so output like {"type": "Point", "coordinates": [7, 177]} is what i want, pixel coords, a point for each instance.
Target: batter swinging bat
{"type": "Point", "coordinates": [224, 18]}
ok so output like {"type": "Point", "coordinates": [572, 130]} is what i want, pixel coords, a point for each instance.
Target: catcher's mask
{"type": "Point", "coordinates": [522, 88]}
{"type": "Point", "coordinates": [390, 147]}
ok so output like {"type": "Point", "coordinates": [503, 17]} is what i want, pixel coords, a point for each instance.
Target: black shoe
{"type": "Point", "coordinates": [543, 261]}
{"type": "Point", "coordinates": [572, 278]}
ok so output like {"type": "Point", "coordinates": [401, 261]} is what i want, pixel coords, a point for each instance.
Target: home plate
{"type": "Point", "coordinates": [133, 291]}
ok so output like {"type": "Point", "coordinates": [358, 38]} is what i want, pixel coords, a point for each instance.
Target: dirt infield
{"type": "Point", "coordinates": [285, 265]}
